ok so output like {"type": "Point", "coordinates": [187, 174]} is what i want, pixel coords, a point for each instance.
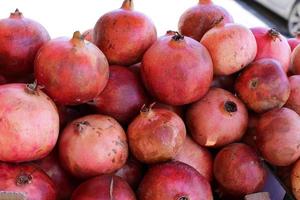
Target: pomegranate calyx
{"type": "Point", "coordinates": [24, 179]}
{"type": "Point", "coordinates": [230, 106]}
{"type": "Point", "coordinates": [127, 5]}
{"type": "Point", "coordinates": [16, 14]}
{"type": "Point", "coordinates": [31, 88]}
{"type": "Point", "coordinates": [147, 109]}
{"type": "Point", "coordinates": [183, 198]}
{"type": "Point", "coordinates": [81, 126]}
{"type": "Point", "coordinates": [177, 36]}
{"type": "Point", "coordinates": [205, 2]}
{"type": "Point", "coordinates": [274, 34]}
{"type": "Point", "coordinates": [77, 39]}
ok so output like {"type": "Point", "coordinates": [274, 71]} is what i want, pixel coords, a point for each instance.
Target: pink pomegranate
{"type": "Point", "coordinates": [293, 101]}
{"type": "Point", "coordinates": [29, 124]}
{"type": "Point", "coordinates": [72, 71]}
{"type": "Point", "coordinates": [93, 145]}
{"type": "Point", "coordinates": [88, 35]}
{"type": "Point", "coordinates": [293, 42]}
{"type": "Point", "coordinates": [217, 106]}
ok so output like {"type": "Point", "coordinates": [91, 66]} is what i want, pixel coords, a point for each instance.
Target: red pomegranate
{"type": "Point", "coordinates": [179, 110]}
{"type": "Point", "coordinates": [197, 20]}
{"type": "Point", "coordinates": [217, 119]}
{"type": "Point", "coordinates": [131, 172]}
{"type": "Point", "coordinates": [231, 46]}
{"type": "Point", "coordinates": [123, 96]}
{"type": "Point", "coordinates": [238, 170]}
{"type": "Point", "coordinates": [29, 123]}
{"type": "Point", "coordinates": [64, 184]}
{"type": "Point", "coordinates": [295, 61]}
{"type": "Point", "coordinates": [196, 156]}
{"type": "Point", "coordinates": [88, 35]}
{"type": "Point", "coordinates": [124, 35]}
{"type": "Point", "coordinates": [263, 85]}
{"type": "Point", "coordinates": [20, 39]}
{"type": "Point", "coordinates": [174, 181]}
{"type": "Point", "coordinates": [156, 135]}
{"type": "Point", "coordinates": [278, 136]}
{"type": "Point", "coordinates": [72, 71]}
{"type": "Point", "coordinates": [177, 70]}
{"type": "Point", "coordinates": [27, 179]}
{"type": "Point", "coordinates": [294, 99]}
{"type": "Point", "coordinates": [103, 188]}
{"type": "Point", "coordinates": [295, 179]}
{"type": "Point", "coordinates": [271, 44]}
{"type": "Point", "coordinates": [293, 42]}
{"type": "Point", "coordinates": [93, 145]}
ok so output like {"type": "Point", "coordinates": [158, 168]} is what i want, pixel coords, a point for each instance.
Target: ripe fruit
{"type": "Point", "coordinates": [294, 99]}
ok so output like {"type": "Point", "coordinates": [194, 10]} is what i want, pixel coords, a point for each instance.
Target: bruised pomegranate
{"type": "Point", "coordinates": [131, 172]}
{"type": "Point", "coordinates": [72, 71]}
{"type": "Point", "coordinates": [174, 181]}
{"type": "Point", "coordinates": [124, 35]}
{"type": "Point", "coordinates": [263, 85]}
{"type": "Point", "coordinates": [294, 99]}
{"type": "Point", "coordinates": [103, 188]}
{"type": "Point", "coordinates": [197, 20]}
{"type": "Point", "coordinates": [20, 39]}
{"type": "Point", "coordinates": [93, 145]}
{"type": "Point", "coordinates": [123, 96]}
{"type": "Point", "coordinates": [156, 135]}
{"type": "Point", "coordinates": [278, 137]}
{"type": "Point", "coordinates": [293, 42]}
{"type": "Point", "coordinates": [88, 35]}
{"type": "Point", "coordinates": [28, 180]}
{"type": "Point", "coordinates": [295, 179]}
{"type": "Point", "coordinates": [271, 44]}
{"type": "Point", "coordinates": [177, 70]}
{"type": "Point", "coordinates": [238, 170]}
{"type": "Point", "coordinates": [217, 119]}
{"type": "Point", "coordinates": [29, 123]}
{"type": "Point", "coordinates": [63, 182]}
{"type": "Point", "coordinates": [196, 156]}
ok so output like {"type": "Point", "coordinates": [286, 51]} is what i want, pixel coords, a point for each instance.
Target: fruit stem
{"type": "Point", "coordinates": [274, 34]}
{"type": "Point", "coordinates": [77, 39]}
{"type": "Point", "coordinates": [81, 126]}
{"type": "Point", "coordinates": [23, 179]}
{"type": "Point", "coordinates": [145, 110]}
{"type": "Point", "coordinates": [205, 2]}
{"type": "Point", "coordinates": [31, 88]}
{"type": "Point", "coordinates": [16, 14]}
{"type": "Point", "coordinates": [127, 5]}
{"type": "Point", "coordinates": [177, 36]}
{"type": "Point", "coordinates": [230, 106]}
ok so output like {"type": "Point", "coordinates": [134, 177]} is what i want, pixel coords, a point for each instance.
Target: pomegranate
{"type": "Point", "coordinates": [293, 101]}
{"type": "Point", "coordinates": [174, 180]}
{"type": "Point", "coordinates": [196, 156]}
{"type": "Point", "coordinates": [72, 71]}
{"type": "Point", "coordinates": [18, 50]}
{"type": "Point", "coordinates": [28, 180]}
{"type": "Point", "coordinates": [278, 137]}
{"type": "Point", "coordinates": [217, 106]}
{"type": "Point", "coordinates": [156, 135]}
{"type": "Point", "coordinates": [271, 44]}
{"type": "Point", "coordinates": [231, 46]}
{"type": "Point", "coordinates": [295, 179]}
{"type": "Point", "coordinates": [124, 35]}
{"type": "Point", "coordinates": [29, 123]}
{"type": "Point", "coordinates": [197, 20]}
{"type": "Point", "coordinates": [132, 172]}
{"type": "Point", "coordinates": [295, 61]}
{"type": "Point", "coordinates": [293, 42]}
{"type": "Point", "coordinates": [179, 110]}
{"type": "Point", "coordinates": [103, 188]}
{"type": "Point", "coordinates": [263, 85]}
{"type": "Point", "coordinates": [63, 182]}
{"type": "Point", "coordinates": [244, 172]}
{"type": "Point", "coordinates": [93, 145]}
{"type": "Point", "coordinates": [123, 96]}
{"type": "Point", "coordinates": [88, 35]}
{"type": "Point", "coordinates": [181, 72]}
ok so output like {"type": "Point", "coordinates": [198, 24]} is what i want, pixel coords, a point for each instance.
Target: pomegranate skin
{"type": "Point", "coordinates": [295, 61]}
{"type": "Point", "coordinates": [244, 173]}
{"type": "Point", "coordinates": [29, 124]}
{"type": "Point", "coordinates": [197, 20]}
{"type": "Point", "coordinates": [17, 51]}
{"type": "Point", "coordinates": [179, 110]}
{"type": "Point", "coordinates": [217, 106]}
{"type": "Point", "coordinates": [93, 145]}
{"type": "Point", "coordinates": [181, 72]}
{"type": "Point", "coordinates": [156, 135]}
{"type": "Point", "coordinates": [271, 44]}
{"type": "Point", "coordinates": [27, 179]}
{"type": "Point", "coordinates": [293, 101]}
{"type": "Point", "coordinates": [198, 157]}
{"type": "Point", "coordinates": [278, 136]}
{"type": "Point", "coordinates": [179, 181]}
{"type": "Point", "coordinates": [123, 96]}
{"type": "Point", "coordinates": [72, 71]}
{"type": "Point", "coordinates": [263, 85]}
{"type": "Point", "coordinates": [88, 35]}
{"type": "Point", "coordinates": [231, 46]}
{"type": "Point", "coordinates": [103, 188]}
{"type": "Point", "coordinates": [124, 35]}
{"type": "Point", "coordinates": [295, 179]}
{"type": "Point", "coordinates": [293, 42]}
{"type": "Point", "coordinates": [63, 182]}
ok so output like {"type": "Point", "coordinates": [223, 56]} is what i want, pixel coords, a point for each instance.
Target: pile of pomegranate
{"type": "Point", "coordinates": [118, 113]}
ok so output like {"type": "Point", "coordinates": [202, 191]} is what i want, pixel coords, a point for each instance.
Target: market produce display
{"type": "Point", "coordinates": [119, 113]}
